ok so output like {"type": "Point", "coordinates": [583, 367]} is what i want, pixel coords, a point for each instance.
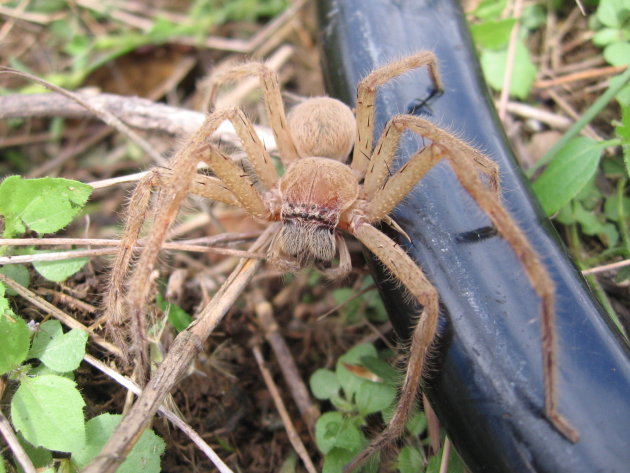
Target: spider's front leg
{"type": "Point", "coordinates": [536, 273]}
{"type": "Point", "coordinates": [384, 193]}
{"type": "Point", "coordinates": [366, 100]}
{"type": "Point", "coordinates": [138, 207]}
{"type": "Point", "coordinates": [402, 267]}
{"type": "Point", "coordinates": [129, 303]}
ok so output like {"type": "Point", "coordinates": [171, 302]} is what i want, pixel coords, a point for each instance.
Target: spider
{"type": "Point", "coordinates": [319, 199]}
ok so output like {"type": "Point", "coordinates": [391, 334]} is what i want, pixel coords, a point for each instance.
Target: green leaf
{"type": "Point", "coordinates": [568, 172]}
{"type": "Point", "coordinates": [589, 221]}
{"type": "Point", "coordinates": [622, 275]}
{"type": "Point", "coordinates": [623, 130]}
{"type": "Point", "coordinates": [143, 458]}
{"type": "Point", "coordinates": [43, 205]}
{"type": "Point", "coordinates": [591, 224]}
{"type": "Point", "coordinates": [58, 351]}
{"type": "Point", "coordinates": [382, 369]}
{"type": "Point", "coordinates": [609, 235]}
{"type": "Point", "coordinates": [490, 9]}
{"type": "Point", "coordinates": [332, 430]}
{"type": "Point", "coordinates": [338, 458]}
{"type": "Point", "coordinates": [617, 54]}
{"type": "Point", "coordinates": [534, 16]}
{"type": "Point", "coordinates": [351, 383]}
{"type": "Point", "coordinates": [178, 317]}
{"type": "Point", "coordinates": [350, 309]}
{"type": "Point", "coordinates": [48, 411]}
{"type": "Point", "coordinates": [374, 397]}
{"type": "Point", "coordinates": [19, 273]}
{"type": "Point", "coordinates": [40, 456]}
{"type": "Point", "coordinates": [623, 96]}
{"type": "Point", "coordinates": [613, 13]}
{"type": "Point", "coordinates": [61, 270]}
{"type": "Point", "coordinates": [417, 423]}
{"type": "Point", "coordinates": [324, 384]}
{"type": "Point", "coordinates": [14, 336]}
{"type": "Point", "coordinates": [494, 63]}
{"type": "Point", "coordinates": [493, 34]}
{"type": "Point", "coordinates": [607, 36]}
{"type": "Point", "coordinates": [409, 460]}
{"type": "Point", "coordinates": [612, 209]}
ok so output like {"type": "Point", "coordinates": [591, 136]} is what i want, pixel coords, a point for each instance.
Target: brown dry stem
{"type": "Point", "coordinates": [185, 347]}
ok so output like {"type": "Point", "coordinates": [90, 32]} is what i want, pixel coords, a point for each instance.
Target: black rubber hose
{"type": "Point", "coordinates": [486, 385]}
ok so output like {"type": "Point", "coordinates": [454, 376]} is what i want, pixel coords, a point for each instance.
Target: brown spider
{"type": "Point", "coordinates": [320, 197]}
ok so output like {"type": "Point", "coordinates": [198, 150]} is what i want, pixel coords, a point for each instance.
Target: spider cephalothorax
{"type": "Point", "coordinates": [314, 192]}
{"type": "Point", "coordinates": [319, 195]}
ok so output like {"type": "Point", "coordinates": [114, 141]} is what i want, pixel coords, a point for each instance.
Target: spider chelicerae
{"type": "Point", "coordinates": [319, 199]}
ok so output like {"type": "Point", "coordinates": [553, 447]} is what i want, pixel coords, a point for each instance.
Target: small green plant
{"type": "Point", "coordinates": [177, 317]}
{"type": "Point", "coordinates": [492, 33]}
{"type": "Point", "coordinates": [44, 206]}
{"type": "Point", "coordinates": [362, 386]}
{"type": "Point", "coordinates": [46, 406]}
{"type": "Point", "coordinates": [612, 26]}
{"type": "Point", "coordinates": [85, 52]}
{"type": "Point", "coordinates": [567, 187]}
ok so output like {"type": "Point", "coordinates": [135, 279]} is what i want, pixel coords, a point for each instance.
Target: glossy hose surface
{"type": "Point", "coordinates": [487, 384]}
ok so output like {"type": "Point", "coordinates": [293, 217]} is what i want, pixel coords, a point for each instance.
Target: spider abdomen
{"type": "Point", "coordinates": [323, 126]}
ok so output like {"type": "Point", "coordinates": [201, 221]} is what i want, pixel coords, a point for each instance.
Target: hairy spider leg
{"type": "Point", "coordinates": [272, 96]}
{"type": "Point", "coordinates": [466, 169]}
{"type": "Point", "coordinates": [379, 175]}
{"type": "Point", "coordinates": [536, 273]}
{"type": "Point", "coordinates": [366, 99]}
{"type": "Point", "coordinates": [138, 207]}
{"type": "Point", "coordinates": [401, 266]}
{"type": "Point", "coordinates": [183, 177]}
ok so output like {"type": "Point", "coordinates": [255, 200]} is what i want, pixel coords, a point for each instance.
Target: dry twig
{"type": "Point", "coordinates": [294, 438]}
{"type": "Point", "coordinates": [186, 345]}
{"type": "Point", "coordinates": [170, 415]}
{"type": "Point", "coordinates": [14, 445]}
{"type": "Point", "coordinates": [134, 111]}
{"type": "Point", "coordinates": [264, 312]}
{"type": "Point", "coordinates": [48, 308]}
{"type": "Point", "coordinates": [101, 113]}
